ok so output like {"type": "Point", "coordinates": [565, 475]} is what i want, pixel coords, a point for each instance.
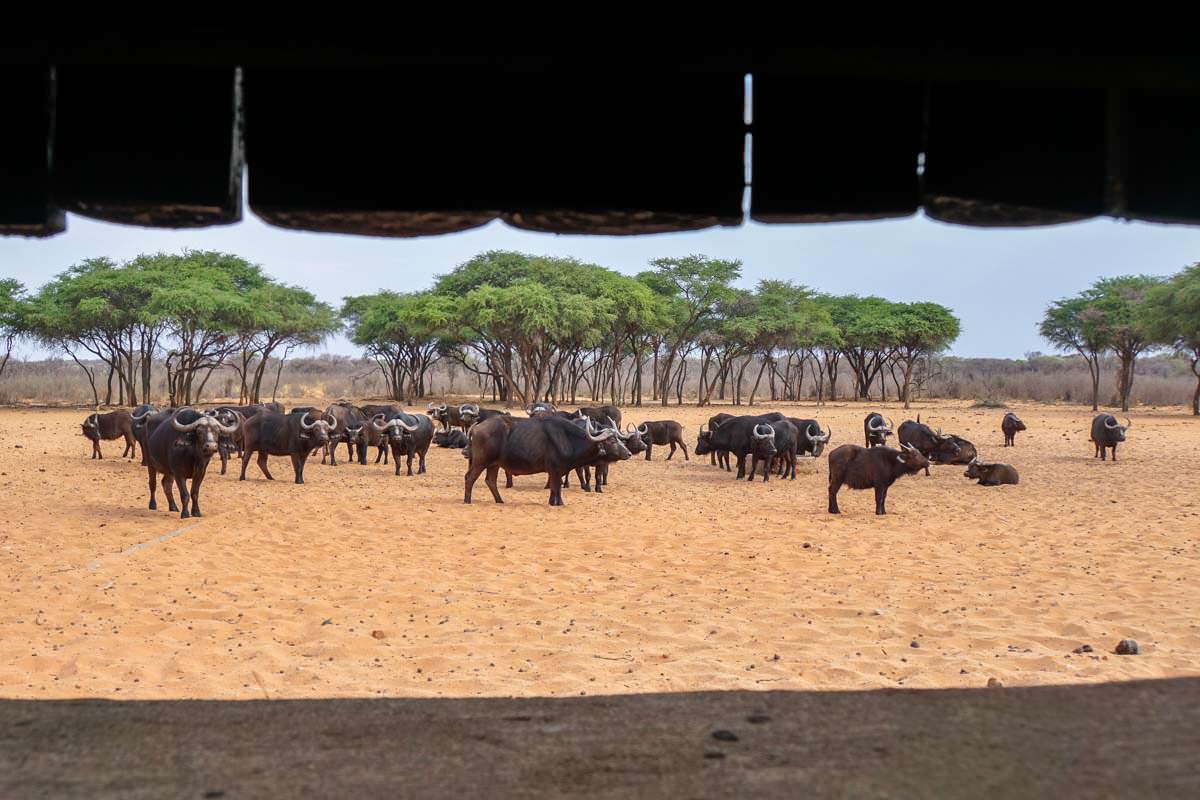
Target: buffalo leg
{"type": "Point", "coordinates": [96, 449]}
{"type": "Point", "coordinates": [223, 451]}
{"type": "Point", "coordinates": [672, 451]}
{"type": "Point", "coordinates": [165, 480]}
{"type": "Point", "coordinates": [184, 498]}
{"type": "Point", "coordinates": [196, 481]}
{"type": "Point", "coordinates": [490, 480]}
{"type": "Point", "coordinates": [880, 499]}
{"type": "Point", "coordinates": [585, 478]}
{"type": "Point", "coordinates": [650, 449]}
{"type": "Point", "coordinates": [473, 473]}
{"type": "Point", "coordinates": [741, 470]}
{"type": "Point", "coordinates": [396, 458]}
{"type": "Point", "coordinates": [555, 489]}
{"type": "Point", "coordinates": [262, 466]}
{"type": "Point", "coordinates": [298, 467]}
{"type": "Point", "coordinates": [1114, 453]}
{"type": "Point", "coordinates": [130, 447]}
{"type": "Point", "coordinates": [332, 448]}
{"type": "Point", "coordinates": [153, 485]}
{"type": "Point", "coordinates": [833, 493]}
{"type": "Point", "coordinates": [683, 447]}
{"type": "Point", "coordinates": [601, 476]}
{"type": "Point", "coordinates": [421, 456]}
{"type": "Point", "coordinates": [507, 479]}
{"type": "Point", "coordinates": [410, 458]}
{"type": "Point", "coordinates": [712, 457]}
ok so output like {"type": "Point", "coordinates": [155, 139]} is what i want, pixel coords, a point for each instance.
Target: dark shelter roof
{"type": "Point", "coordinates": [357, 134]}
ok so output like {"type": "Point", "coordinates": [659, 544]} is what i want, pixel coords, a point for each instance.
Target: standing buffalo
{"type": "Point", "coordinates": [809, 438]}
{"type": "Point", "coordinates": [633, 442]}
{"type": "Point", "coordinates": [661, 433]}
{"type": "Point", "coordinates": [735, 435]}
{"type": "Point", "coordinates": [1107, 433]}
{"type": "Point", "coordinates": [871, 468]}
{"type": "Point", "coordinates": [601, 415]}
{"type": "Point", "coordinates": [782, 447]}
{"type": "Point", "coordinates": [408, 434]}
{"type": "Point", "coordinates": [1010, 425]}
{"type": "Point", "coordinates": [991, 474]}
{"type": "Point", "coordinates": [876, 430]}
{"type": "Point", "coordinates": [270, 433]}
{"type": "Point", "coordinates": [364, 435]}
{"type": "Point", "coordinates": [447, 415]}
{"type": "Point", "coordinates": [470, 413]}
{"type": "Point", "coordinates": [343, 415]}
{"type": "Point", "coordinates": [531, 446]}
{"type": "Point", "coordinates": [180, 451]}
{"type": "Point", "coordinates": [112, 425]}
{"type": "Point", "coordinates": [934, 445]}
{"type": "Point", "coordinates": [145, 419]}
{"type": "Point", "coordinates": [718, 457]}
{"type": "Point", "coordinates": [229, 440]}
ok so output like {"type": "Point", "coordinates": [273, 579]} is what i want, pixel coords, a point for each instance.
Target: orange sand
{"type": "Point", "coordinates": [361, 583]}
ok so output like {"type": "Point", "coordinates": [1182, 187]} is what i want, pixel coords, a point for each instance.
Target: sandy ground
{"type": "Point", "coordinates": [361, 583]}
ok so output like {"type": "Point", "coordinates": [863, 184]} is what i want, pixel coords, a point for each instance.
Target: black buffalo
{"type": "Point", "coordinates": [296, 435]}
{"type": "Point", "coordinates": [876, 430]}
{"type": "Point", "coordinates": [871, 468]}
{"type": "Point", "coordinates": [991, 474]}
{"type": "Point", "coordinates": [470, 413]}
{"type": "Point", "coordinates": [964, 454]}
{"type": "Point", "coordinates": [343, 416]}
{"type": "Point", "coordinates": [600, 415]}
{"type": "Point", "coordinates": [1011, 424]}
{"type": "Point", "coordinates": [230, 441]}
{"type": "Point", "coordinates": [530, 446]}
{"type": "Point", "coordinates": [781, 448]}
{"type": "Point", "coordinates": [179, 448]}
{"type": "Point", "coordinates": [810, 440]}
{"type": "Point", "coordinates": [735, 435]}
{"type": "Point", "coordinates": [633, 442]}
{"type": "Point", "coordinates": [113, 425]}
{"type": "Point", "coordinates": [1107, 433]}
{"type": "Point", "coordinates": [455, 439]}
{"type": "Point", "coordinates": [446, 415]}
{"type": "Point", "coordinates": [408, 435]}
{"type": "Point", "coordinates": [542, 408]}
{"type": "Point", "coordinates": [718, 457]}
{"type": "Point", "coordinates": [934, 445]}
{"type": "Point", "coordinates": [662, 432]}
{"type": "Point", "coordinates": [364, 436]}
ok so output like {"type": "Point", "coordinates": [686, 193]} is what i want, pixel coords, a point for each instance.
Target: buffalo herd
{"type": "Point", "coordinates": [177, 444]}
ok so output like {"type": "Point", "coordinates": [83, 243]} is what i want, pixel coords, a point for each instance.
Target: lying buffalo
{"type": "Point", "coordinates": [1011, 424]}
{"type": "Point", "coordinates": [991, 474]}
{"type": "Point", "coordinates": [664, 432]}
{"type": "Point", "coordinates": [871, 468]}
{"type": "Point", "coordinates": [531, 446]}
{"type": "Point", "coordinates": [113, 425]}
{"type": "Point", "coordinates": [934, 445]}
{"type": "Point", "coordinates": [455, 439]}
{"type": "Point", "coordinates": [964, 453]}
{"type": "Point", "coordinates": [179, 448]}
{"type": "Point", "coordinates": [876, 430]}
{"type": "Point", "coordinates": [408, 435]}
{"type": "Point", "coordinates": [1107, 433]}
{"type": "Point", "coordinates": [270, 433]}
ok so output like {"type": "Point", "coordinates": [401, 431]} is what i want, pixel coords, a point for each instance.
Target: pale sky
{"type": "Point", "coordinates": [998, 281]}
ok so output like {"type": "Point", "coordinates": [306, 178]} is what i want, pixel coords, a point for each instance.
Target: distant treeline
{"type": "Point", "coordinates": [1162, 380]}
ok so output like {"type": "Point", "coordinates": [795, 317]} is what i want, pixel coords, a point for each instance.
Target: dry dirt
{"type": "Point", "coordinates": [678, 577]}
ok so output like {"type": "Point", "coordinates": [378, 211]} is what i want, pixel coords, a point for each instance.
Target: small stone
{"type": "Point", "coordinates": [1083, 648]}
{"type": "Point", "coordinates": [994, 683]}
{"type": "Point", "coordinates": [327, 622]}
{"type": "Point", "coordinates": [914, 643]}
{"type": "Point", "coordinates": [757, 719]}
{"type": "Point", "coordinates": [1127, 647]}
{"type": "Point", "coordinates": [806, 544]}
{"type": "Point", "coordinates": [714, 754]}
{"type": "Point", "coordinates": [378, 635]}
{"type": "Point", "coordinates": [725, 736]}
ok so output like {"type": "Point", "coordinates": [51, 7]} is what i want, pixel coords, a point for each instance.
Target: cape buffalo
{"type": "Point", "coordinates": [113, 425]}
{"type": "Point", "coordinates": [456, 439]}
{"type": "Point", "coordinates": [343, 415]}
{"type": "Point", "coordinates": [364, 435]}
{"type": "Point", "coordinates": [470, 413]}
{"type": "Point", "coordinates": [935, 446]}
{"type": "Point", "coordinates": [634, 443]}
{"type": "Point", "coordinates": [965, 453]}
{"type": "Point", "coordinates": [408, 434]}
{"type": "Point", "coordinates": [871, 468]}
{"type": "Point", "coordinates": [733, 435]}
{"type": "Point", "coordinates": [809, 438]}
{"type": "Point", "coordinates": [663, 432]}
{"type": "Point", "coordinates": [447, 415]}
{"type": "Point", "coordinates": [991, 474]}
{"type": "Point", "coordinates": [180, 448]}
{"type": "Point", "coordinates": [876, 430]}
{"type": "Point", "coordinates": [1010, 425]}
{"type": "Point", "coordinates": [270, 433]}
{"type": "Point", "coordinates": [531, 446]}
{"type": "Point", "coordinates": [762, 448]}
{"type": "Point", "coordinates": [1107, 433]}
{"type": "Point", "coordinates": [600, 415]}
{"type": "Point", "coordinates": [718, 457]}
{"type": "Point", "coordinates": [542, 408]}
{"type": "Point", "coordinates": [229, 440]}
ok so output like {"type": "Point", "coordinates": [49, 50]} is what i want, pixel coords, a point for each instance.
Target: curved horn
{"type": "Point", "coordinates": [702, 431]}
{"type": "Point", "coordinates": [375, 422]}
{"type": "Point", "coordinates": [139, 418]}
{"type": "Point", "coordinates": [309, 426]}
{"type": "Point", "coordinates": [469, 408]}
{"type": "Point", "coordinates": [770, 431]}
{"type": "Point", "coordinates": [332, 419]}
{"type": "Point", "coordinates": [881, 426]}
{"type": "Point", "coordinates": [1128, 424]}
{"type": "Point", "coordinates": [823, 437]}
{"type": "Point", "coordinates": [181, 427]}
{"type": "Point", "coordinates": [399, 422]}
{"type": "Point", "coordinates": [644, 429]}
{"type": "Point", "coordinates": [811, 435]}
{"type": "Point", "coordinates": [1114, 424]}
{"type": "Point", "coordinates": [598, 437]}
{"type": "Point", "coordinates": [229, 430]}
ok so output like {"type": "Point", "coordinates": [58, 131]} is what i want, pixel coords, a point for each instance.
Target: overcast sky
{"type": "Point", "coordinates": [998, 281]}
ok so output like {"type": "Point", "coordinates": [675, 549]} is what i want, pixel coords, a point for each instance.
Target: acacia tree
{"type": "Point", "coordinates": [403, 333]}
{"type": "Point", "coordinates": [921, 330]}
{"type": "Point", "coordinates": [11, 300]}
{"type": "Point", "coordinates": [275, 320]}
{"type": "Point", "coordinates": [1074, 324]}
{"type": "Point", "coordinates": [867, 329]}
{"type": "Point", "coordinates": [1170, 314]}
{"type": "Point", "coordinates": [1116, 301]}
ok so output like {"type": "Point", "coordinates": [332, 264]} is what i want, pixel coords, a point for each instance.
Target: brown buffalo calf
{"type": "Point", "coordinates": [112, 425]}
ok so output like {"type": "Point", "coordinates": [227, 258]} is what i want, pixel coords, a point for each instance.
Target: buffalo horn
{"type": "Point", "coordinates": [179, 426]}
